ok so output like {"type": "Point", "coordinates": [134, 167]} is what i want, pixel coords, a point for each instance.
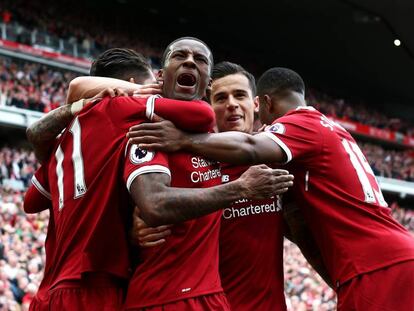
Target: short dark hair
{"type": "Point", "coordinates": [167, 49]}
{"type": "Point", "coordinates": [224, 69]}
{"type": "Point", "coordinates": [121, 64]}
{"type": "Point", "coordinates": [280, 80]}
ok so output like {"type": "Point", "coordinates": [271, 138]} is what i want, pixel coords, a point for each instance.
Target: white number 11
{"type": "Point", "coordinates": [363, 168]}
{"type": "Point", "coordinates": [78, 169]}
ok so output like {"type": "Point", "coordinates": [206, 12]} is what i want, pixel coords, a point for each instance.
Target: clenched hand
{"type": "Point", "coordinates": [262, 182]}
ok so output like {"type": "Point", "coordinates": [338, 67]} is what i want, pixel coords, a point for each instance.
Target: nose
{"type": "Point", "coordinates": [232, 103]}
{"type": "Point", "coordinates": [189, 61]}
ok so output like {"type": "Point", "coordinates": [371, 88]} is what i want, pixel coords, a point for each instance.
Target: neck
{"type": "Point", "coordinates": [293, 101]}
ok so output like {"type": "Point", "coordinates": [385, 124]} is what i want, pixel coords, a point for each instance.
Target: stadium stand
{"type": "Point", "coordinates": [80, 34]}
{"type": "Point", "coordinates": [32, 86]}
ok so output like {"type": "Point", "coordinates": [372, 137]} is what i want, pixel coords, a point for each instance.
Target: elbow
{"type": "Point", "coordinates": [29, 210]}
{"type": "Point", "coordinates": [74, 86]}
{"type": "Point", "coordinates": [249, 154]}
{"type": "Point", "coordinates": [207, 120]}
{"type": "Point", "coordinates": [154, 214]}
{"type": "Point", "coordinates": [152, 218]}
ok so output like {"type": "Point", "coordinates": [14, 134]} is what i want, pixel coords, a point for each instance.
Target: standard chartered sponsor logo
{"type": "Point", "coordinates": [251, 209]}
{"type": "Point", "coordinates": [201, 176]}
{"type": "Point", "coordinates": [198, 162]}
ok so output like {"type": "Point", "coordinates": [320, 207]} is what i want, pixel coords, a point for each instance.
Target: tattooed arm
{"type": "Point", "coordinates": [42, 133]}
{"type": "Point", "coordinates": [160, 204]}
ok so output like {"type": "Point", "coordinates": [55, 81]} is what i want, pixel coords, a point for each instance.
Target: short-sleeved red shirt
{"type": "Point", "coordinates": [88, 186]}
{"type": "Point", "coordinates": [186, 265]}
{"type": "Point", "coordinates": [251, 251]}
{"type": "Point", "coordinates": [339, 195]}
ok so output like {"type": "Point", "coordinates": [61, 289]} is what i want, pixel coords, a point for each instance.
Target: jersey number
{"type": "Point", "coordinates": [79, 175]}
{"type": "Point", "coordinates": [363, 168]}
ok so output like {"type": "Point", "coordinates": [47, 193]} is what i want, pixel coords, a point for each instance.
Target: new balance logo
{"type": "Point", "coordinates": [225, 178]}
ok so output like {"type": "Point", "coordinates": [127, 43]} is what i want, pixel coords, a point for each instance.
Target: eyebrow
{"type": "Point", "coordinates": [186, 50]}
{"type": "Point", "coordinates": [219, 94]}
{"type": "Point", "coordinates": [241, 91]}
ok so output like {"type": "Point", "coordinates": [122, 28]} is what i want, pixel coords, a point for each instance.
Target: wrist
{"type": "Point", "coordinates": [235, 190]}
{"type": "Point", "coordinates": [186, 142]}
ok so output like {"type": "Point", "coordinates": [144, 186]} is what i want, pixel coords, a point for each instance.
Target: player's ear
{"type": "Point", "coordinates": [267, 100]}
{"type": "Point", "coordinates": [208, 90]}
{"type": "Point", "coordinates": [256, 104]}
{"type": "Point", "coordinates": [160, 74]}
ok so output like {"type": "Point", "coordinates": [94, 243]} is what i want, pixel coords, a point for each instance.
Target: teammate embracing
{"type": "Point", "coordinates": [369, 256]}
{"type": "Point", "coordinates": [88, 180]}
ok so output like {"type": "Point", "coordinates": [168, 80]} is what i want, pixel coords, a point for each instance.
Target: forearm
{"type": "Point", "coordinates": [230, 147]}
{"type": "Point", "coordinates": [88, 87]}
{"type": "Point", "coordinates": [169, 205]}
{"type": "Point", "coordinates": [299, 233]}
{"type": "Point", "coordinates": [42, 133]}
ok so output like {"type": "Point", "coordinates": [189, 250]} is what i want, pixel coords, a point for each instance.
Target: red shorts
{"type": "Point", "coordinates": [387, 289]}
{"type": "Point", "coordinates": [213, 302]}
{"type": "Point", "coordinates": [100, 294]}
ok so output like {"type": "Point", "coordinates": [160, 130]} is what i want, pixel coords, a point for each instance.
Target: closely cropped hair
{"type": "Point", "coordinates": [120, 63]}
{"type": "Point", "coordinates": [167, 49]}
{"type": "Point", "coordinates": [224, 69]}
{"type": "Point", "coordinates": [280, 80]}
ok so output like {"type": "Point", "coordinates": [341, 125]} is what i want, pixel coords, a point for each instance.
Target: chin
{"type": "Point", "coordinates": [185, 96]}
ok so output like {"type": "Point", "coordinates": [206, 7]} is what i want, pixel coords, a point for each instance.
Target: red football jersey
{"type": "Point", "coordinates": [187, 264]}
{"type": "Point", "coordinates": [91, 204]}
{"type": "Point", "coordinates": [339, 195]}
{"type": "Point", "coordinates": [251, 251]}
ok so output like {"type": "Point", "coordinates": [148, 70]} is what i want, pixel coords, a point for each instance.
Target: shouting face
{"type": "Point", "coordinates": [186, 72]}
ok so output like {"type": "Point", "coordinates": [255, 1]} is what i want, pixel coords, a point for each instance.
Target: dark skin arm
{"type": "Point", "coordinates": [229, 147]}
{"type": "Point", "coordinates": [160, 204]}
{"type": "Point", "coordinates": [236, 148]}
{"type": "Point", "coordinates": [298, 232]}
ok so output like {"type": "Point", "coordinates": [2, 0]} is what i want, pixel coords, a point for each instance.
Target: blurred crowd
{"type": "Point", "coordinates": [73, 22]}
{"type": "Point", "coordinates": [96, 32]}
{"type": "Point", "coordinates": [357, 112]}
{"type": "Point", "coordinates": [22, 245]}
{"type": "Point", "coordinates": [390, 163]}
{"type": "Point", "coordinates": [304, 288]}
{"type": "Point", "coordinates": [22, 255]}
{"type": "Point", "coordinates": [41, 88]}
{"type": "Point", "coordinates": [31, 85]}
{"type": "Point", "coordinates": [16, 167]}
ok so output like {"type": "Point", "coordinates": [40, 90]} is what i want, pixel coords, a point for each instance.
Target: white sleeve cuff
{"type": "Point", "coordinates": [146, 170]}
{"type": "Point", "coordinates": [149, 111]}
{"type": "Point", "coordinates": [281, 144]}
{"type": "Point", "coordinates": [40, 188]}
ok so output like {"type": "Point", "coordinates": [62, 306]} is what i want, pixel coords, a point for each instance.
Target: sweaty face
{"type": "Point", "coordinates": [233, 103]}
{"type": "Point", "coordinates": [186, 71]}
